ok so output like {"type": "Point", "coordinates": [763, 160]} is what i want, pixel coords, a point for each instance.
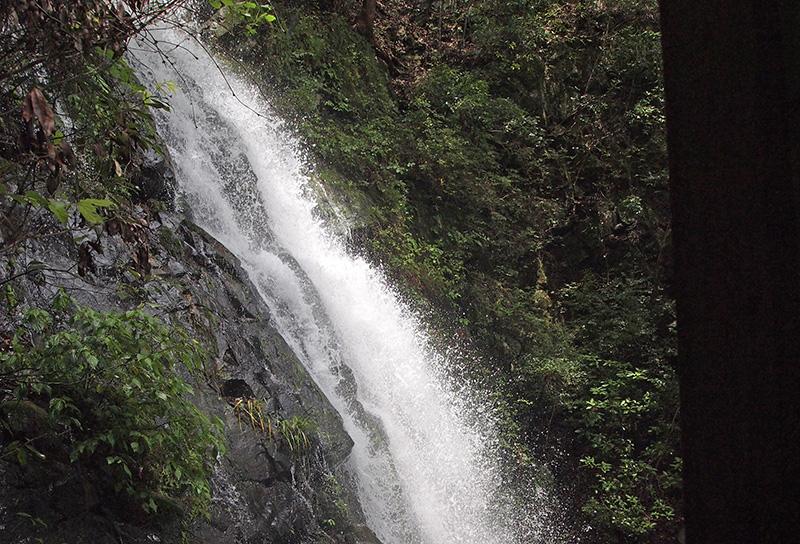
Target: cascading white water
{"type": "Point", "coordinates": [423, 460]}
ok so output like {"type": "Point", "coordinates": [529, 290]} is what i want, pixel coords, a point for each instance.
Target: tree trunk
{"type": "Point", "coordinates": [732, 77]}
{"type": "Point", "coordinates": [366, 19]}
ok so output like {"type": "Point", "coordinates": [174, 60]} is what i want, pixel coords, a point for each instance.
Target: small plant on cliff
{"type": "Point", "coordinates": [292, 431]}
{"type": "Point", "coordinates": [98, 396]}
{"type": "Point", "coordinates": [251, 411]}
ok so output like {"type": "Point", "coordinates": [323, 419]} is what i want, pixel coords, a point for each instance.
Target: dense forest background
{"type": "Point", "coordinates": [503, 160]}
{"type": "Point", "coordinates": [506, 161]}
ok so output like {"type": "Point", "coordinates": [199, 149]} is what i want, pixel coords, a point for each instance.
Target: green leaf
{"type": "Point", "coordinates": [35, 199]}
{"type": "Point", "coordinates": [87, 207]}
{"type": "Point", "coordinates": [59, 210]}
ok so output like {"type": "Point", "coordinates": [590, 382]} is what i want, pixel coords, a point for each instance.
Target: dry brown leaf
{"type": "Point", "coordinates": [35, 106]}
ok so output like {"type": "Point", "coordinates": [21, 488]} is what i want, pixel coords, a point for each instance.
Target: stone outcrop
{"type": "Point", "coordinates": [263, 492]}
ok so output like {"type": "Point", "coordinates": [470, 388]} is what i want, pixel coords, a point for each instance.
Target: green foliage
{"type": "Point", "coordinates": [623, 316]}
{"type": "Point", "coordinates": [86, 207]}
{"type": "Point", "coordinates": [99, 394]}
{"type": "Point", "coordinates": [110, 110]}
{"type": "Point", "coordinates": [89, 159]}
{"type": "Point", "coordinates": [626, 419]}
{"type": "Point", "coordinates": [245, 13]}
{"type": "Point", "coordinates": [90, 397]}
{"type": "Point", "coordinates": [625, 414]}
{"type": "Point", "coordinates": [293, 432]}
{"type": "Point", "coordinates": [516, 176]}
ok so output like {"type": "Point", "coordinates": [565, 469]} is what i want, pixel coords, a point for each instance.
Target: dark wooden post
{"type": "Point", "coordinates": [732, 75]}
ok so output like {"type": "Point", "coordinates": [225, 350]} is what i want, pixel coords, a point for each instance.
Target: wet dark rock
{"type": "Point", "coordinates": [236, 388]}
{"type": "Point", "coordinates": [262, 492]}
{"type": "Point", "coordinates": [364, 535]}
{"type": "Point", "coordinates": [156, 180]}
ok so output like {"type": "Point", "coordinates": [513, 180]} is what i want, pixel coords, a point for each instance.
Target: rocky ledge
{"type": "Point", "coordinates": [265, 490]}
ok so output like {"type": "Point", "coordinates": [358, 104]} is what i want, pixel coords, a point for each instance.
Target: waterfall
{"type": "Point", "coordinates": [425, 460]}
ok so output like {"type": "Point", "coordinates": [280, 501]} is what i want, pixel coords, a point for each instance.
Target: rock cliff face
{"type": "Point", "coordinates": [263, 489]}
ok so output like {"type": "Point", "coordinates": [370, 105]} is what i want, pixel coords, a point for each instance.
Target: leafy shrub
{"type": "Point", "coordinates": [626, 420]}
{"type": "Point", "coordinates": [251, 15]}
{"type": "Point", "coordinates": [99, 395]}
{"type": "Point", "coordinates": [74, 121]}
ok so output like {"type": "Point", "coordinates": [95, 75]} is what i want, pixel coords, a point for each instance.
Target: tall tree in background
{"type": "Point", "coordinates": [366, 19]}
{"type": "Point", "coordinates": [733, 85]}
